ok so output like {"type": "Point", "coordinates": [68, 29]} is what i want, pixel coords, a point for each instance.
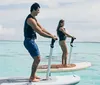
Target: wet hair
{"type": "Point", "coordinates": [34, 6]}
{"type": "Point", "coordinates": [59, 24]}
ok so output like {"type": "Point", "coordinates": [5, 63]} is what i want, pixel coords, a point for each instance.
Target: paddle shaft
{"type": "Point", "coordinates": [70, 55]}
{"type": "Point", "coordinates": [49, 60]}
{"type": "Point", "coordinates": [71, 46]}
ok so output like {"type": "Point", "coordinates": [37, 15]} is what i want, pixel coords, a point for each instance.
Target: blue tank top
{"type": "Point", "coordinates": [61, 35]}
{"type": "Point", "coordinates": [28, 31]}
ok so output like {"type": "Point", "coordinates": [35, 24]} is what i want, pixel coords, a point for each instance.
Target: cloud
{"type": "Point", "coordinates": [79, 15]}
{"type": "Point", "coordinates": [6, 33]}
{"type": "Point", "coordinates": [84, 11]}
{"type": "Point", "coordinates": [7, 2]}
{"type": "Point", "coordinates": [49, 2]}
{"type": "Point", "coordinates": [77, 10]}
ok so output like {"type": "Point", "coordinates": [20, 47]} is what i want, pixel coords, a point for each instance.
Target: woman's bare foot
{"type": "Point", "coordinates": [71, 65]}
{"type": "Point", "coordinates": [33, 80]}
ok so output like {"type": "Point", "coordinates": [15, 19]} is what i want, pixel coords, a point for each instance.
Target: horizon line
{"type": "Point", "coordinates": [49, 41]}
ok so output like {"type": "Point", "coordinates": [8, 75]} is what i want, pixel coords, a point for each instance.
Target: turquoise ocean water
{"type": "Point", "coordinates": [15, 60]}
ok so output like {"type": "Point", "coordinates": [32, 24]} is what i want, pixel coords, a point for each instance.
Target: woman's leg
{"type": "Point", "coordinates": [65, 52]}
{"type": "Point", "coordinates": [63, 60]}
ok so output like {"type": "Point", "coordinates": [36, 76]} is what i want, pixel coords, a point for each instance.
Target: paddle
{"type": "Point", "coordinates": [49, 60]}
{"type": "Point", "coordinates": [71, 45]}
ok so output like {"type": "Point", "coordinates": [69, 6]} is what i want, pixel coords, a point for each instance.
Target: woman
{"type": "Point", "coordinates": [62, 34]}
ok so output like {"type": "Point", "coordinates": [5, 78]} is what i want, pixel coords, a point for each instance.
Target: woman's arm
{"type": "Point", "coordinates": [62, 29]}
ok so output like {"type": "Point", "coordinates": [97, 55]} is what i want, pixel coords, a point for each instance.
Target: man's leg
{"type": "Point", "coordinates": [33, 77]}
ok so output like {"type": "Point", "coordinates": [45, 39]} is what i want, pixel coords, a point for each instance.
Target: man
{"type": "Point", "coordinates": [31, 27]}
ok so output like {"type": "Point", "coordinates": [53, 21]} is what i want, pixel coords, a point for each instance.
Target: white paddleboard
{"type": "Point", "coordinates": [55, 80]}
{"type": "Point", "coordinates": [78, 66]}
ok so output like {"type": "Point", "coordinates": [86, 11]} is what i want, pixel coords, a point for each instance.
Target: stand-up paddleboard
{"type": "Point", "coordinates": [60, 68]}
{"type": "Point", "coordinates": [49, 80]}
{"type": "Point", "coordinates": [57, 80]}
{"type": "Point", "coordinates": [70, 67]}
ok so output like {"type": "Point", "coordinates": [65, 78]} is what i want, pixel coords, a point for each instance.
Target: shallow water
{"type": "Point", "coordinates": [15, 60]}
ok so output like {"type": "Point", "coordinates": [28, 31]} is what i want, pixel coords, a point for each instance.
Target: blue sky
{"type": "Point", "coordinates": [82, 18]}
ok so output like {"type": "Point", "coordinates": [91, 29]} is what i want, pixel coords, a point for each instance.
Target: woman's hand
{"type": "Point", "coordinates": [73, 37]}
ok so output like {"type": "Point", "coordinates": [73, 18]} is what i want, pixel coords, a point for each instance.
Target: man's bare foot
{"type": "Point", "coordinates": [37, 77]}
{"type": "Point", "coordinates": [34, 80]}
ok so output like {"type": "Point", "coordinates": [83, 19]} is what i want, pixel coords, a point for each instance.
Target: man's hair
{"type": "Point", "coordinates": [34, 6]}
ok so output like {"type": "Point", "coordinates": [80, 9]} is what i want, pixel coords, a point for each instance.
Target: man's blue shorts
{"type": "Point", "coordinates": [32, 47]}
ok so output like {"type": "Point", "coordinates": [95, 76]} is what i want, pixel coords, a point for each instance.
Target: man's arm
{"type": "Point", "coordinates": [34, 26]}
{"type": "Point", "coordinates": [43, 29]}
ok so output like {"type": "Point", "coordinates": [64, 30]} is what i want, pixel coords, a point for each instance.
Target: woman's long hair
{"type": "Point", "coordinates": [59, 24]}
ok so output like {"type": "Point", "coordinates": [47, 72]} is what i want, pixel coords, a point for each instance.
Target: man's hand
{"type": "Point", "coordinates": [55, 38]}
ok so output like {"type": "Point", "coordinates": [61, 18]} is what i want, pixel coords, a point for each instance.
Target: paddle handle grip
{"type": "Point", "coordinates": [52, 43]}
{"type": "Point", "coordinates": [72, 40]}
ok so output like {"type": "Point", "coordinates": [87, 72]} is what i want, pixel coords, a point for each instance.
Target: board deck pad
{"type": "Point", "coordinates": [61, 68]}
{"type": "Point", "coordinates": [56, 66]}
{"type": "Point", "coordinates": [54, 80]}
